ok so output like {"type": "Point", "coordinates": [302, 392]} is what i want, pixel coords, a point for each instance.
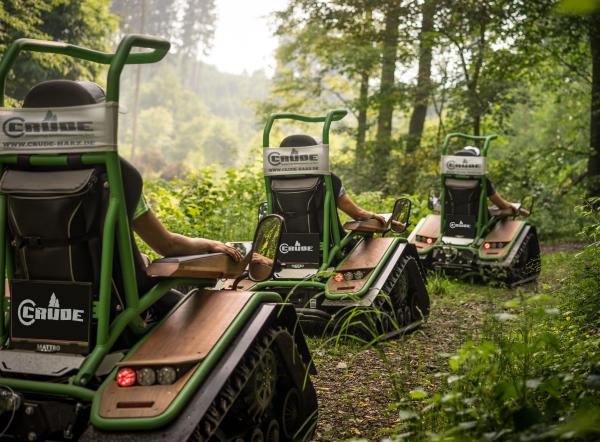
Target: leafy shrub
{"type": "Point", "coordinates": [533, 376]}
{"type": "Point", "coordinates": [206, 204]}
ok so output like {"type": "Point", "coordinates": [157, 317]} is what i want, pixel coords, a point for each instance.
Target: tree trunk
{"type": "Point", "coordinates": [593, 169]}
{"type": "Point", "coordinates": [363, 99]}
{"type": "Point", "coordinates": [136, 92]}
{"type": "Point", "coordinates": [363, 104]}
{"type": "Point", "coordinates": [386, 95]}
{"type": "Point", "coordinates": [477, 125]}
{"type": "Point", "coordinates": [423, 90]}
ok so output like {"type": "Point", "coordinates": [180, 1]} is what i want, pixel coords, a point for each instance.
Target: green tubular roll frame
{"type": "Point", "coordinates": [330, 211]}
{"type": "Point", "coordinates": [330, 251]}
{"type": "Point", "coordinates": [483, 216]}
{"type": "Point", "coordinates": [116, 221]}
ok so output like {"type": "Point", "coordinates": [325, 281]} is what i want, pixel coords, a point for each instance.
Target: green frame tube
{"type": "Point", "coordinates": [116, 60]}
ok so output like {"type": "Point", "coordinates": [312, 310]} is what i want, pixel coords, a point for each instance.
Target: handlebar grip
{"type": "Point", "coordinates": [334, 115]}
{"type": "Point", "coordinates": [117, 60]}
{"type": "Point", "coordinates": [471, 137]}
{"type": "Point", "coordinates": [159, 45]}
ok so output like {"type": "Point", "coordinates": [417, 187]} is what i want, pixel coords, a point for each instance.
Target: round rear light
{"type": "Point", "coordinates": [429, 240]}
{"type": "Point", "coordinates": [348, 276]}
{"type": "Point", "coordinates": [487, 245]}
{"type": "Point", "coordinates": [145, 376]}
{"type": "Point", "coordinates": [125, 377]}
{"type": "Point", "coordinates": [167, 375]}
{"type": "Point", "coordinates": [338, 277]}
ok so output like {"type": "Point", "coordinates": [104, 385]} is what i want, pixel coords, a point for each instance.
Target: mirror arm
{"type": "Point", "coordinates": [237, 280]}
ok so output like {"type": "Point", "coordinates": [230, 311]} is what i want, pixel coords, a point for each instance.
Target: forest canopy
{"type": "Point", "coordinates": [489, 363]}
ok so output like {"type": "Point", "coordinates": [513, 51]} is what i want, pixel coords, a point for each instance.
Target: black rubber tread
{"type": "Point", "coordinates": [234, 405]}
{"type": "Point", "coordinates": [403, 312]}
{"type": "Point", "coordinates": [526, 264]}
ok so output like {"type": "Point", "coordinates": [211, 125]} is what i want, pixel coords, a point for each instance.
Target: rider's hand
{"type": "Point", "coordinates": [379, 218]}
{"type": "Point", "coordinates": [523, 212]}
{"type": "Point", "coordinates": [219, 247]}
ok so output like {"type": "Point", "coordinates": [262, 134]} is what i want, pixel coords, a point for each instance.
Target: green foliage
{"type": "Point", "coordinates": [533, 375]}
{"type": "Point", "coordinates": [85, 23]}
{"type": "Point", "coordinates": [207, 204]}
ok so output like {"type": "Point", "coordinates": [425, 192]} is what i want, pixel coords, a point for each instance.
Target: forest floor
{"type": "Point", "coordinates": [358, 388]}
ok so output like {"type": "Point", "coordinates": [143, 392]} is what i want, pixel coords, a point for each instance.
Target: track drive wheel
{"type": "Point", "coordinates": [526, 264]}
{"type": "Point", "coordinates": [260, 400]}
{"type": "Point", "coordinates": [291, 413]}
{"type": "Point", "coordinates": [396, 302]}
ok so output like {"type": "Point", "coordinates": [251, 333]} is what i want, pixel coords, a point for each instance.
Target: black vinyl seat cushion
{"type": "Point", "coordinates": [462, 196]}
{"type": "Point", "coordinates": [461, 206]}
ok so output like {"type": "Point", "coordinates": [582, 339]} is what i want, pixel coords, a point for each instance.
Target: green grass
{"type": "Point", "coordinates": [492, 363]}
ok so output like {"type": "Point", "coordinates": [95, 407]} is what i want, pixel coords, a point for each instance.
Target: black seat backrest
{"type": "Point", "coordinates": [56, 215]}
{"type": "Point", "coordinates": [461, 206]}
{"type": "Point", "coordinates": [300, 200]}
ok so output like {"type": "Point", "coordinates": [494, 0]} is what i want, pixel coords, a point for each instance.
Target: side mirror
{"type": "Point", "coordinates": [265, 247]}
{"type": "Point", "coordinates": [262, 210]}
{"type": "Point", "coordinates": [433, 202]}
{"type": "Point", "coordinates": [400, 215]}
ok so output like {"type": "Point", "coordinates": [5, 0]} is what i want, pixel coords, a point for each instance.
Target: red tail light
{"type": "Point", "coordinates": [339, 277]}
{"type": "Point", "coordinates": [125, 377]}
{"type": "Point", "coordinates": [429, 240]}
{"type": "Point", "coordinates": [487, 245]}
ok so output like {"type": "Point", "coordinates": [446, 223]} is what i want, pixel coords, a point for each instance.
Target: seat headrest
{"type": "Point", "coordinates": [468, 151]}
{"type": "Point", "coordinates": [64, 93]}
{"type": "Point", "coordinates": [298, 141]}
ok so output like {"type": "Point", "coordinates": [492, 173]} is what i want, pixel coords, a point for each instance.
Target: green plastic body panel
{"type": "Point", "coordinates": [363, 291]}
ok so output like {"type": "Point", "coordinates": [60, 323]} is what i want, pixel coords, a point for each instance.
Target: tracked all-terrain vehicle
{"type": "Point", "coordinates": [350, 277]}
{"type": "Point", "coordinates": [468, 238]}
{"type": "Point", "coordinates": [84, 353]}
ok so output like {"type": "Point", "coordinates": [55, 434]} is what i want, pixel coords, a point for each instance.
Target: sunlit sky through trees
{"type": "Point", "coordinates": [243, 38]}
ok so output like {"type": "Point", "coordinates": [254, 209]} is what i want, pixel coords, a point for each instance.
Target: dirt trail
{"type": "Point", "coordinates": [563, 247]}
{"type": "Point", "coordinates": [355, 387]}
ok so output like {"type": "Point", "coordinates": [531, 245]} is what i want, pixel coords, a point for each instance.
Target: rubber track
{"type": "Point", "coordinates": [525, 277]}
{"type": "Point", "coordinates": [397, 271]}
{"type": "Point", "coordinates": [231, 391]}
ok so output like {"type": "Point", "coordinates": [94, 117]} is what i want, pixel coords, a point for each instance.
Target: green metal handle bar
{"type": "Point", "coordinates": [334, 115]}
{"type": "Point", "coordinates": [122, 56]}
{"type": "Point", "coordinates": [486, 141]}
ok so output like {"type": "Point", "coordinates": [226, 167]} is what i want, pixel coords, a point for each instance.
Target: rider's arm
{"type": "Point", "coordinates": [349, 207]}
{"type": "Point", "coordinates": [506, 208]}
{"type": "Point", "coordinates": [166, 243]}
